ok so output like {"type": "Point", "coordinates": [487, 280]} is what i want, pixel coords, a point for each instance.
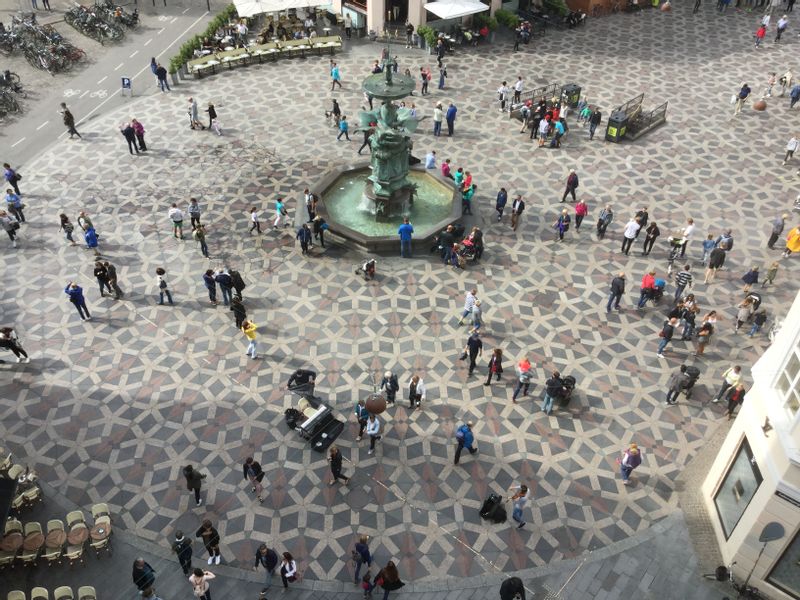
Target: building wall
{"type": "Point", "coordinates": [776, 455]}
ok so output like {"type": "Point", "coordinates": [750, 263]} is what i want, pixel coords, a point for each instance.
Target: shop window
{"type": "Point", "coordinates": [785, 575]}
{"type": "Point", "coordinates": [738, 488]}
{"type": "Point", "coordinates": [788, 383]}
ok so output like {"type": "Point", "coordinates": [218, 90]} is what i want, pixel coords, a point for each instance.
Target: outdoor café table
{"type": "Point", "coordinates": [55, 538]}
{"type": "Point", "coordinates": [11, 542]}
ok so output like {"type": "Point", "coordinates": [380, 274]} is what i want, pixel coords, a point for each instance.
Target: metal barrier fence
{"type": "Point", "coordinates": [646, 121]}
{"type": "Point", "coordinates": [548, 92]}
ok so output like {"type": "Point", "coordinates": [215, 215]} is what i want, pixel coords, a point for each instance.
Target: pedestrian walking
{"type": "Point", "coordinates": [194, 481]}
{"type": "Point", "coordinates": [783, 23]}
{"type": "Point", "coordinates": [438, 116]}
{"type": "Point", "coordinates": [69, 121]}
{"type": "Point", "coordinates": [502, 95]}
{"type": "Point", "coordinates": [572, 185]}
{"type": "Point", "coordinates": [311, 204]}
{"type": "Point", "coordinates": [12, 178]}
{"type": "Point", "coordinates": [581, 210]}
{"type": "Point", "coordinates": [249, 329]}
{"type": "Point", "coordinates": [238, 309]}
{"type": "Point", "coordinates": [194, 117]}
{"type": "Point", "coordinates": [84, 221]}
{"type": "Point", "coordinates": [335, 458]}
{"type": "Point", "coordinates": [500, 203]}
{"type": "Point", "coordinates": [163, 288]}
{"type": "Point", "coordinates": [15, 206]}
{"type": "Point", "coordinates": [199, 233]}
{"type": "Point", "coordinates": [730, 379]}
{"type": "Point", "coordinates": [390, 386]}
{"type": "Point", "coordinates": [777, 229]}
{"type": "Point", "coordinates": [744, 311]}
{"type": "Point", "coordinates": [320, 227]}
{"type": "Point", "coordinates": [716, 260]}
{"type": "Point", "coordinates": [495, 366]}
{"type": "Point", "coordinates": [194, 212]}
{"type": "Point", "coordinates": [517, 206]}
{"type": "Point", "coordinates": [266, 557]}
{"type": "Point", "coordinates": [424, 77]}
{"type": "Point", "coordinates": [389, 579]}
{"type": "Point", "coordinates": [111, 271]}
{"type": "Point", "coordinates": [138, 129]}
{"type": "Point", "coordinates": [10, 226]}
{"type": "Point", "coordinates": [101, 275]}
{"type": "Point", "coordinates": [761, 32]}
{"type": "Point", "coordinates": [759, 318]}
{"type": "Point", "coordinates": [211, 286]}
{"type": "Point", "coordinates": [90, 237]}
{"type": "Point", "coordinates": [144, 576]}
{"type": "Point", "coordinates": [450, 117]}
{"type": "Point", "coordinates": [442, 76]}
{"type": "Point", "coordinates": [238, 283]}
{"type": "Point", "coordinates": [604, 220]}
{"type": "Point", "coordinates": [683, 280]}
{"type": "Point", "coordinates": [518, 502]}
{"type": "Point", "coordinates": [362, 417]}
{"type": "Point", "coordinates": [182, 547]}
{"type": "Point", "coordinates": [416, 392]}
{"type": "Point", "coordinates": [464, 439]}
{"type": "Point", "coordinates": [210, 538]}
{"type": "Point", "coordinates": [631, 458]}
{"type": "Point", "coordinates": [651, 235]}
{"type": "Point", "coordinates": [361, 555]}
{"type": "Point", "coordinates": [75, 294]}
{"type": "Point", "coordinates": [280, 213]}
{"type": "Point", "coordinates": [750, 279]}
{"type": "Point", "coordinates": [792, 242]}
{"type": "Point", "coordinates": [367, 135]}
{"type": "Point", "coordinates": [791, 148]}
{"type": "Point", "coordinates": [617, 290]}
{"type": "Point", "coordinates": [735, 397]}
{"type": "Point", "coordinates": [473, 349]}
{"type": "Point", "coordinates": [562, 224]}
{"type": "Point", "coordinates": [666, 333]}
{"type": "Point", "coordinates": [336, 76]}
{"type": "Point", "coordinates": [373, 431]}
{"type": "Point", "coordinates": [161, 76]}
{"type": "Point", "coordinates": [518, 86]}
{"type": "Point", "coordinates": [225, 282]}
{"type": "Point", "coordinates": [740, 98]}
{"type": "Point", "coordinates": [213, 119]}
{"type": "Point", "coordinates": [10, 340]}
{"type": "Point", "coordinates": [176, 216]}
{"type": "Point", "coordinates": [199, 580]}
{"type": "Point", "coordinates": [288, 570]}
{"type": "Point", "coordinates": [469, 303]}
{"type": "Point", "coordinates": [646, 288]}
{"type": "Point", "coordinates": [524, 376]}
{"type": "Point", "coordinates": [553, 390]}
{"type": "Point", "coordinates": [344, 129]}
{"type": "Point", "coordinates": [594, 121]}
{"type": "Point", "coordinates": [678, 381]}
{"type": "Point", "coordinates": [304, 236]}
{"type": "Point", "coordinates": [348, 26]}
{"type": "Point", "coordinates": [252, 472]}
{"type": "Point", "coordinates": [770, 275]}
{"type": "Point", "coordinates": [629, 234]}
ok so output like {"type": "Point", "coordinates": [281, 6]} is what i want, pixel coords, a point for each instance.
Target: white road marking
{"type": "Point", "coordinates": [145, 68]}
{"type": "Point", "coordinates": [148, 41]}
{"type": "Point", "coordinates": [185, 11]}
{"type": "Point", "coordinates": [118, 67]}
{"type": "Point", "coordinates": [102, 80]}
{"type": "Point", "coordinates": [173, 20]}
{"type": "Point", "coordinates": [42, 125]}
{"type": "Point", "coordinates": [83, 94]}
{"type": "Point", "coordinates": [160, 31]}
{"type": "Point", "coordinates": [18, 142]}
{"type": "Point", "coordinates": [135, 52]}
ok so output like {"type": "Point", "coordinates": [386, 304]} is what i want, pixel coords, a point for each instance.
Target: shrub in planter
{"type": "Point", "coordinates": [428, 34]}
{"type": "Point", "coordinates": [480, 20]}
{"type": "Point", "coordinates": [507, 18]}
{"type": "Point", "coordinates": [558, 7]}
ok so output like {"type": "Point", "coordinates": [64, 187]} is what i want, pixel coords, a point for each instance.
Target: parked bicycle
{"type": "Point", "coordinates": [43, 47]}
{"type": "Point", "coordinates": [91, 24]}
{"type": "Point", "coordinates": [10, 81]}
{"type": "Point", "coordinates": [116, 15]}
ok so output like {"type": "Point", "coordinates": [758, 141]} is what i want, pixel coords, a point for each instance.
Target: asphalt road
{"type": "Point", "coordinates": [95, 88]}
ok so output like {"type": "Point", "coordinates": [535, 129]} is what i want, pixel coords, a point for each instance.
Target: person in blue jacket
{"type": "Point", "coordinates": [343, 129]}
{"type": "Point", "coordinates": [450, 117]}
{"type": "Point", "coordinates": [464, 439]}
{"type": "Point", "coordinates": [75, 293]}
{"type": "Point", "coordinates": [91, 240]}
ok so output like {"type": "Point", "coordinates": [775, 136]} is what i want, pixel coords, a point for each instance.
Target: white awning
{"type": "Point", "coordinates": [452, 9]}
{"type": "Point", "coordinates": [249, 8]}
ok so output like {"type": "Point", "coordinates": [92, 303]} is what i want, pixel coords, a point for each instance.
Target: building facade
{"type": "Point", "coordinates": [755, 478]}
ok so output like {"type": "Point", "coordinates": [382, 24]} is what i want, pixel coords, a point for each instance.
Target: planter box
{"type": "Point", "coordinates": [174, 77]}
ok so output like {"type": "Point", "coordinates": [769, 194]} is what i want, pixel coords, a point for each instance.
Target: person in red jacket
{"type": "Point", "coordinates": [581, 210]}
{"type": "Point", "coordinates": [762, 31]}
{"type": "Point", "coordinates": [648, 285]}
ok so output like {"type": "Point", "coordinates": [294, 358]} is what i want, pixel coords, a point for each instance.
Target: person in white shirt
{"type": "Point", "coordinates": [502, 95]}
{"type": "Point", "coordinates": [730, 378]}
{"type": "Point", "coordinates": [520, 499]}
{"type": "Point", "coordinates": [687, 234]}
{"type": "Point", "coordinates": [254, 217]}
{"type": "Point", "coordinates": [416, 392]}
{"type": "Point", "coordinates": [783, 22]}
{"type": "Point", "coordinates": [430, 160]}
{"type": "Point", "coordinates": [631, 229]}
{"type": "Point", "coordinates": [288, 569]}
{"type": "Point", "coordinates": [791, 147]}
{"type": "Point", "coordinates": [176, 215]}
{"type": "Point", "coordinates": [518, 90]}
{"type": "Point", "coordinates": [469, 302]}
{"type": "Point", "coordinates": [373, 431]}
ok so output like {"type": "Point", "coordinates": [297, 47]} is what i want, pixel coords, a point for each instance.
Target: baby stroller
{"type": "Point", "coordinates": [693, 374]}
{"type": "Point", "coordinates": [367, 269]}
{"type": "Point", "coordinates": [658, 291]}
{"type": "Point", "coordinates": [568, 382]}
{"type": "Point", "coordinates": [468, 250]}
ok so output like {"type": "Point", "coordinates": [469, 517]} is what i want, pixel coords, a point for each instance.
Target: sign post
{"type": "Point", "coordinates": [126, 85]}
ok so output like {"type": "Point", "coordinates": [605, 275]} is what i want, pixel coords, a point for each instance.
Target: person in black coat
{"type": "Point", "coordinates": [495, 365]}
{"type": "Point", "coordinates": [512, 588]}
{"type": "Point", "coordinates": [130, 136]}
{"type": "Point", "coordinates": [302, 380]}
{"type": "Point", "coordinates": [253, 472]}
{"type": "Point", "coordinates": [267, 558]}
{"type": "Point", "coordinates": [210, 540]}
{"type": "Point", "coordinates": [239, 312]}
{"type": "Point", "coordinates": [183, 548]}
{"type": "Point", "coordinates": [319, 229]}
{"type": "Point", "coordinates": [238, 282]}
{"type": "Point", "coordinates": [194, 481]}
{"type": "Point", "coordinates": [617, 289]}
{"type": "Point", "coordinates": [144, 576]}
{"type": "Point", "coordinates": [390, 386]}
{"type": "Point", "coordinates": [212, 114]}
{"type": "Point", "coordinates": [335, 459]}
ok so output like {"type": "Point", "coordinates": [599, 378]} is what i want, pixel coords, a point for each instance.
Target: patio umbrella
{"type": "Point", "coordinates": [249, 8]}
{"type": "Point", "coordinates": [452, 9]}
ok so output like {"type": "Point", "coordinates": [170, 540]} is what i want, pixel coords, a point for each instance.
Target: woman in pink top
{"type": "Point", "coordinates": [581, 210]}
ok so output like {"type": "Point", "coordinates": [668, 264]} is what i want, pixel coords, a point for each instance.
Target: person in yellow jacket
{"type": "Point", "coordinates": [249, 330]}
{"type": "Point", "coordinates": [792, 242]}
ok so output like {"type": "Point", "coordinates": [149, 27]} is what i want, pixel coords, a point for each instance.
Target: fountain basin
{"type": "Point", "coordinates": [350, 214]}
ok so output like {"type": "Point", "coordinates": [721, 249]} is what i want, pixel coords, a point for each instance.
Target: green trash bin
{"type": "Point", "coordinates": [617, 125]}
{"type": "Point", "coordinates": [571, 93]}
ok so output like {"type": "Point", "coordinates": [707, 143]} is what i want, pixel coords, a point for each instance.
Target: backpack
{"type": "Point", "coordinates": [393, 384]}
{"type": "Point", "coordinates": [162, 284]}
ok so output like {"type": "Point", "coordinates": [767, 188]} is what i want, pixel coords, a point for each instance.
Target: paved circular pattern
{"type": "Point", "coordinates": [112, 409]}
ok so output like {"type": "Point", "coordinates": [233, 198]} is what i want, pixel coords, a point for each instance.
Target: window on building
{"type": "Point", "coordinates": [785, 575]}
{"type": "Point", "coordinates": [738, 488]}
{"type": "Point", "coordinates": [788, 383]}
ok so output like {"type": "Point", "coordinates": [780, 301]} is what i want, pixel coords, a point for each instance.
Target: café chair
{"type": "Point", "coordinates": [75, 517]}
{"type": "Point", "coordinates": [28, 557]}
{"type": "Point", "coordinates": [63, 593]}
{"type": "Point", "coordinates": [15, 471]}
{"type": "Point", "coordinates": [16, 595]}
{"type": "Point", "coordinates": [100, 513]}
{"type": "Point", "coordinates": [13, 525]}
{"type": "Point", "coordinates": [40, 593]}
{"type": "Point", "coordinates": [74, 554]}
{"type": "Point", "coordinates": [32, 495]}
{"type": "Point", "coordinates": [86, 592]}
{"type": "Point", "coordinates": [52, 555]}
